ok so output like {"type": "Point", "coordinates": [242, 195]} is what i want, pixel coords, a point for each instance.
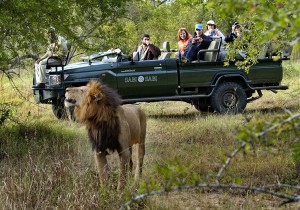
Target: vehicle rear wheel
{"type": "Point", "coordinates": [229, 97]}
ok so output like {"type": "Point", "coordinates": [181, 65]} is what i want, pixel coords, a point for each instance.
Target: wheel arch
{"type": "Point", "coordinates": [238, 78]}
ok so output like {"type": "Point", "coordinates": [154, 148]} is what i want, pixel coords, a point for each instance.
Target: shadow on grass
{"type": "Point", "coordinates": [174, 116]}
{"type": "Point", "coordinates": [19, 139]}
{"type": "Point", "coordinates": [275, 109]}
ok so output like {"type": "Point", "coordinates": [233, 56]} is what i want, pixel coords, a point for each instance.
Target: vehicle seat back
{"type": "Point", "coordinates": [135, 56]}
{"type": "Point", "coordinates": [109, 60]}
{"type": "Point", "coordinates": [165, 52]}
{"type": "Point", "coordinates": [212, 56]}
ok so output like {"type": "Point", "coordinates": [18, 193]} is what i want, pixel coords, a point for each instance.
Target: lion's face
{"type": "Point", "coordinates": [76, 95]}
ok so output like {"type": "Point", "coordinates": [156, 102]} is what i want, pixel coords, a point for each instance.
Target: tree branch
{"type": "Point", "coordinates": [18, 60]}
{"type": "Point", "coordinates": [212, 186]}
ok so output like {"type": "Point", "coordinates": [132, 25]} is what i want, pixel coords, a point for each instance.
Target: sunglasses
{"type": "Point", "coordinates": [210, 24]}
{"type": "Point", "coordinates": [198, 29]}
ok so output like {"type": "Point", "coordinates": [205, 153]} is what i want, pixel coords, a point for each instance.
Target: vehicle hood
{"type": "Point", "coordinates": [86, 67]}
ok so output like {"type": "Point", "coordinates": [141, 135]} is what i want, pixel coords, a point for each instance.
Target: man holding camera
{"type": "Point", "coordinates": [198, 42]}
{"type": "Point", "coordinates": [235, 32]}
{"type": "Point", "coordinates": [147, 50]}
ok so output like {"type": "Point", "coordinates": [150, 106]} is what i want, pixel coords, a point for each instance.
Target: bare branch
{"type": "Point", "coordinates": [227, 162]}
{"type": "Point", "coordinates": [212, 186]}
{"type": "Point", "coordinates": [277, 125]}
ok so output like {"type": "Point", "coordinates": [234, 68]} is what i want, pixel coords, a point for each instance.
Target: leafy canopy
{"type": "Point", "coordinates": [23, 23]}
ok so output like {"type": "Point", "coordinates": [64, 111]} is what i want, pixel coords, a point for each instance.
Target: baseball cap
{"type": "Point", "coordinates": [198, 26]}
{"type": "Point", "coordinates": [210, 22]}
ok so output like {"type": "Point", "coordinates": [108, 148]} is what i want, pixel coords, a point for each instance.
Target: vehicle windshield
{"type": "Point", "coordinates": [110, 56]}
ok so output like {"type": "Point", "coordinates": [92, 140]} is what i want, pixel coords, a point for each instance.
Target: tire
{"type": "Point", "coordinates": [70, 113]}
{"type": "Point", "coordinates": [58, 108]}
{"type": "Point", "coordinates": [61, 112]}
{"type": "Point", "coordinates": [229, 97]}
{"type": "Point", "coordinates": [202, 105]}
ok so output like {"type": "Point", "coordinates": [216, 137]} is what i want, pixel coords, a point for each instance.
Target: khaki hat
{"type": "Point", "coordinates": [211, 22]}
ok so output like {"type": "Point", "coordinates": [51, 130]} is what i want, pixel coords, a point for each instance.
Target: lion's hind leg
{"type": "Point", "coordinates": [140, 147]}
{"type": "Point", "coordinates": [139, 160]}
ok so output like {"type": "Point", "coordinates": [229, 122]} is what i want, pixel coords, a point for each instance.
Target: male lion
{"type": "Point", "coordinates": [110, 126]}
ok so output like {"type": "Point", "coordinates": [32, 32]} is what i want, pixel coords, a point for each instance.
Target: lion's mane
{"type": "Point", "coordinates": [98, 112]}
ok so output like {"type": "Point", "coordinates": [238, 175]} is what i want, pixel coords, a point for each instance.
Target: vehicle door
{"type": "Point", "coordinates": [146, 78]}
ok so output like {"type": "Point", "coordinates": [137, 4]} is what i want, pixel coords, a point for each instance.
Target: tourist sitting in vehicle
{"type": "Point", "coordinates": [213, 31]}
{"type": "Point", "coordinates": [183, 40]}
{"type": "Point", "coordinates": [147, 50]}
{"type": "Point", "coordinates": [235, 32]}
{"type": "Point", "coordinates": [198, 42]}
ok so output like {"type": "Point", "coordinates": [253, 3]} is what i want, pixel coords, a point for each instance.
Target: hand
{"type": "Point", "coordinates": [233, 27]}
{"type": "Point", "coordinates": [196, 39]}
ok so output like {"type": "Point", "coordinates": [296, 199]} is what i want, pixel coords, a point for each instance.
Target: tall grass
{"type": "Point", "coordinates": [47, 163]}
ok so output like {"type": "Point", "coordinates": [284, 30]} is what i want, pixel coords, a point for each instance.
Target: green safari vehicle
{"type": "Point", "coordinates": [207, 84]}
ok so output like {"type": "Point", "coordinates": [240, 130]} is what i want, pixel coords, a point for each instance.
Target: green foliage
{"type": "Point", "coordinates": [46, 164]}
{"type": "Point", "coordinates": [173, 173]}
{"type": "Point", "coordinates": [276, 132]}
{"type": "Point", "coordinates": [273, 21]}
{"type": "Point", "coordinates": [23, 23]}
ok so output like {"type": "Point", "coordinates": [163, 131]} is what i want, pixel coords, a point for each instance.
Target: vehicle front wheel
{"type": "Point", "coordinates": [62, 112]}
{"type": "Point", "coordinates": [59, 110]}
{"type": "Point", "coordinates": [229, 97]}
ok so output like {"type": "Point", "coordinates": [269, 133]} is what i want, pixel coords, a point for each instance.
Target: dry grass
{"type": "Point", "coordinates": [48, 164]}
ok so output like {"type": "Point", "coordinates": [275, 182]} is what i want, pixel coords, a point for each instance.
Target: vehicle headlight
{"type": "Point", "coordinates": [55, 80]}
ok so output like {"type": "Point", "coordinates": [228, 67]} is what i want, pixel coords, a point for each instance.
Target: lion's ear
{"type": "Point", "coordinates": [98, 97]}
